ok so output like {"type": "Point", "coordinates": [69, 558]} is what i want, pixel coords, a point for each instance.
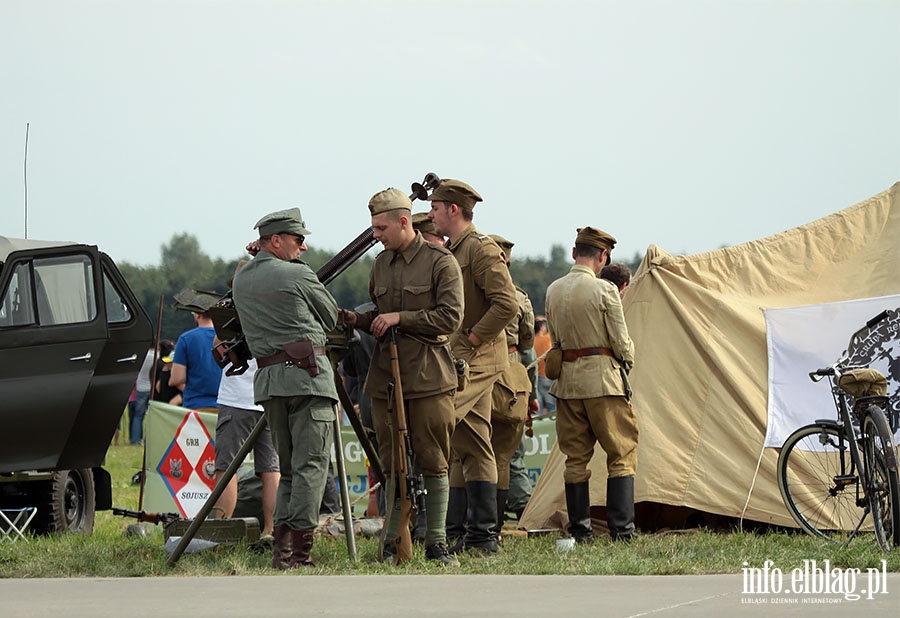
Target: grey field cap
{"type": "Point", "coordinates": [288, 221]}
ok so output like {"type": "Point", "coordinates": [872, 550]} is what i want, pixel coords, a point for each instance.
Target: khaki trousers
{"type": "Point", "coordinates": [471, 453]}
{"type": "Point", "coordinates": [430, 423]}
{"type": "Point", "coordinates": [581, 423]}
{"type": "Point", "coordinates": [505, 438]}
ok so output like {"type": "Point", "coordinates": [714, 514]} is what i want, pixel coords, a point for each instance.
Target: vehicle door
{"type": "Point", "coordinates": [51, 338]}
{"type": "Point", "coordinates": [129, 335]}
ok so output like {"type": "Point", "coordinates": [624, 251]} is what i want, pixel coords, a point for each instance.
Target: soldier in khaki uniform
{"type": "Point", "coordinates": [280, 301]}
{"type": "Point", "coordinates": [514, 396]}
{"type": "Point", "coordinates": [416, 287]}
{"type": "Point", "coordinates": [585, 316]}
{"type": "Point", "coordinates": [490, 304]}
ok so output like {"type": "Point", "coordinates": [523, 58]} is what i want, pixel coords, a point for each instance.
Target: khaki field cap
{"type": "Point", "coordinates": [288, 221]}
{"type": "Point", "coordinates": [422, 223]}
{"type": "Point", "coordinates": [389, 199]}
{"type": "Point", "coordinates": [456, 192]}
{"type": "Point", "coordinates": [506, 245]}
{"type": "Point", "coordinates": [595, 238]}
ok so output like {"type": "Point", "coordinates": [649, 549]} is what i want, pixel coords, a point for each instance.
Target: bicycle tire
{"type": "Point", "coordinates": [808, 466]}
{"type": "Point", "coordinates": [882, 484]}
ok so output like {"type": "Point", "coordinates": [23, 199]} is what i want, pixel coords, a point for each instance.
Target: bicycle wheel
{"type": "Point", "coordinates": [819, 483]}
{"type": "Point", "coordinates": [882, 486]}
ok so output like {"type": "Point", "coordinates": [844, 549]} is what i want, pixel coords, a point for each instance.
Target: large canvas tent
{"type": "Point", "coordinates": [701, 376]}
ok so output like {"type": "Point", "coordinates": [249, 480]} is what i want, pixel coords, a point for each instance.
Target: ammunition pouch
{"type": "Point", "coordinates": [509, 399]}
{"type": "Point", "coordinates": [553, 362]}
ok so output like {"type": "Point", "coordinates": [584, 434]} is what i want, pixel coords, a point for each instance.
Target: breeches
{"type": "Point", "coordinates": [430, 423]}
{"type": "Point", "coordinates": [581, 423]}
{"type": "Point", "coordinates": [472, 456]}
{"type": "Point", "coordinates": [302, 431]}
{"type": "Point", "coordinates": [505, 439]}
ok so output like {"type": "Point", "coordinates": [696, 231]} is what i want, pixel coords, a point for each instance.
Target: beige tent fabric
{"type": "Point", "coordinates": [700, 375]}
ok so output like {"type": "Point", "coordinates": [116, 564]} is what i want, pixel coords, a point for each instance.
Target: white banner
{"type": "Point", "coordinates": [803, 339]}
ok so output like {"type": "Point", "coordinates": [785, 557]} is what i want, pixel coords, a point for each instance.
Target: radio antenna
{"type": "Point", "coordinates": [26, 179]}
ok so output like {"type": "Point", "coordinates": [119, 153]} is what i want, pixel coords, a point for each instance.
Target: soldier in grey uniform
{"type": "Point", "coordinates": [585, 316]}
{"type": "Point", "coordinates": [515, 392]}
{"type": "Point", "coordinates": [490, 304]}
{"type": "Point", "coordinates": [417, 288]}
{"type": "Point", "coordinates": [285, 312]}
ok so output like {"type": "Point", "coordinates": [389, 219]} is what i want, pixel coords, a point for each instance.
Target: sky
{"type": "Point", "coordinates": [689, 124]}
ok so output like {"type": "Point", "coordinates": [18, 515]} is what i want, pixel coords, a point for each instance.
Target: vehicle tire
{"type": "Point", "coordinates": [882, 485]}
{"type": "Point", "coordinates": [66, 503]}
{"type": "Point", "coordinates": [820, 491]}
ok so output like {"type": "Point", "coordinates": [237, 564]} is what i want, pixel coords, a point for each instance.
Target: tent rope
{"type": "Point", "coordinates": [752, 485]}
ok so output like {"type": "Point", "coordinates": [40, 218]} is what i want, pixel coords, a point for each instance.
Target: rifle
{"type": "Point", "coordinates": [410, 485]}
{"type": "Point", "coordinates": [151, 518]}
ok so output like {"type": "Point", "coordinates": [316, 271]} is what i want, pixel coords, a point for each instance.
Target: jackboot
{"type": "Point", "coordinates": [501, 511]}
{"type": "Point", "coordinates": [481, 513]}
{"type": "Point", "coordinates": [281, 548]}
{"type": "Point", "coordinates": [578, 505]}
{"type": "Point", "coordinates": [620, 507]}
{"type": "Point", "coordinates": [456, 518]}
{"type": "Point", "coordinates": [302, 542]}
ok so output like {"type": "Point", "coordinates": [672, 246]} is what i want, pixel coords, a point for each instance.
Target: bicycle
{"type": "Point", "coordinates": [833, 473]}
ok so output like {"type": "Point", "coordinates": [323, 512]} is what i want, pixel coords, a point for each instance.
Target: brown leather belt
{"type": "Point", "coordinates": [282, 357]}
{"type": "Point", "coordinates": [570, 356]}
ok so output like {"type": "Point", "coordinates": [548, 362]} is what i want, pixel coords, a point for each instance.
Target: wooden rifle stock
{"type": "Point", "coordinates": [402, 458]}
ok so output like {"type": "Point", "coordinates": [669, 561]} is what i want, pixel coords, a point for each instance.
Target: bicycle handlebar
{"type": "Point", "coordinates": [876, 319]}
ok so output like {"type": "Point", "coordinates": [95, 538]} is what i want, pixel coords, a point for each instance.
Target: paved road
{"type": "Point", "coordinates": [459, 596]}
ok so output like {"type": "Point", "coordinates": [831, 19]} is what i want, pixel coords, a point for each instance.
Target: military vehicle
{"type": "Point", "coordinates": [72, 339]}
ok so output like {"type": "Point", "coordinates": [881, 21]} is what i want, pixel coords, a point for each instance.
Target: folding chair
{"type": "Point", "coordinates": [14, 522]}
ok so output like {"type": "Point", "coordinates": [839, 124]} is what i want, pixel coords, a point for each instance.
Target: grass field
{"type": "Point", "coordinates": [110, 553]}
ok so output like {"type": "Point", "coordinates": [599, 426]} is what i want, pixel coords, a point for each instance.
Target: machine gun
{"type": "Point", "coordinates": [410, 485]}
{"type": "Point", "coordinates": [151, 518]}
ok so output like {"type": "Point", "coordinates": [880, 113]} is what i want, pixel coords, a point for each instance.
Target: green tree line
{"type": "Point", "coordinates": [185, 265]}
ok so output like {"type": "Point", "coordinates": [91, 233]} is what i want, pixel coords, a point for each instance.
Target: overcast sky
{"type": "Point", "coordinates": [687, 124]}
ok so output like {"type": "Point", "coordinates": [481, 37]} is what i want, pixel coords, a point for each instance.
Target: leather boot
{"type": "Point", "coordinates": [501, 511]}
{"type": "Point", "coordinates": [578, 505]}
{"type": "Point", "coordinates": [456, 518]}
{"type": "Point", "coordinates": [620, 507]}
{"type": "Point", "coordinates": [482, 516]}
{"type": "Point", "coordinates": [281, 548]}
{"type": "Point", "coordinates": [302, 542]}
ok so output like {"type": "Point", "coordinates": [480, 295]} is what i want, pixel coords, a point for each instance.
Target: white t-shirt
{"type": "Point", "coordinates": [142, 384]}
{"type": "Point", "coordinates": [237, 391]}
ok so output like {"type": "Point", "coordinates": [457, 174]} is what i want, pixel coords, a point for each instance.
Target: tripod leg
{"type": "Point", "coordinates": [345, 488]}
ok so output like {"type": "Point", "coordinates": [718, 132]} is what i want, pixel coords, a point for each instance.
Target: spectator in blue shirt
{"type": "Point", "coordinates": [194, 369]}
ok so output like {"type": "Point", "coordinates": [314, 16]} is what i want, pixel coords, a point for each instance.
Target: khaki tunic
{"type": "Point", "coordinates": [424, 284]}
{"type": "Point", "coordinates": [490, 301]}
{"type": "Point", "coordinates": [490, 304]}
{"type": "Point", "coordinates": [585, 312]}
{"type": "Point", "coordinates": [512, 390]}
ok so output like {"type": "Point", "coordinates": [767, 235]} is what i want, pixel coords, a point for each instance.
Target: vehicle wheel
{"type": "Point", "coordinates": [66, 503]}
{"type": "Point", "coordinates": [882, 485]}
{"type": "Point", "coordinates": [819, 484]}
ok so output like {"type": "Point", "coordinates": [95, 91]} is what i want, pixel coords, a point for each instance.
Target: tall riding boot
{"type": "Point", "coordinates": [302, 541]}
{"type": "Point", "coordinates": [578, 505]}
{"type": "Point", "coordinates": [501, 511]}
{"type": "Point", "coordinates": [620, 507]}
{"type": "Point", "coordinates": [456, 518]}
{"type": "Point", "coordinates": [282, 548]}
{"type": "Point", "coordinates": [482, 516]}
